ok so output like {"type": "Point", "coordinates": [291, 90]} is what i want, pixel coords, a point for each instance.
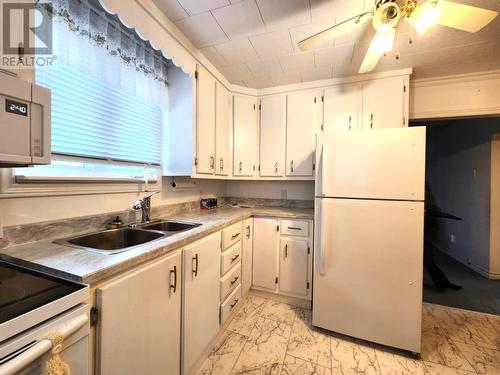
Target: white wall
{"type": "Point", "coordinates": [16, 211]}
{"type": "Point", "coordinates": [458, 174]}
{"type": "Point", "coordinates": [293, 190]}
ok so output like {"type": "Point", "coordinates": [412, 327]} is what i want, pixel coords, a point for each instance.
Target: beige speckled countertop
{"type": "Point", "coordinates": [90, 267]}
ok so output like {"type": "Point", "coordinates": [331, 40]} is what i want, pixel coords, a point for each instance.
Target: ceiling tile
{"type": "Point", "coordinates": [214, 56]}
{"type": "Point", "coordinates": [236, 72]}
{"type": "Point", "coordinates": [316, 74]}
{"type": "Point", "coordinates": [199, 6]}
{"type": "Point", "coordinates": [286, 78]}
{"type": "Point", "coordinates": [237, 51]}
{"type": "Point", "coordinates": [336, 9]}
{"type": "Point", "coordinates": [172, 9]}
{"type": "Point", "coordinates": [334, 56]}
{"type": "Point", "coordinates": [272, 44]}
{"type": "Point", "coordinates": [283, 14]}
{"type": "Point", "coordinates": [259, 82]}
{"type": "Point", "coordinates": [240, 19]}
{"type": "Point", "coordinates": [266, 66]}
{"type": "Point", "coordinates": [298, 62]}
{"type": "Point", "coordinates": [202, 30]}
{"type": "Point", "coordinates": [301, 32]}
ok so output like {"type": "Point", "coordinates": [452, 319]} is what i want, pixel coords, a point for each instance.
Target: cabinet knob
{"type": "Point", "coordinates": [276, 167]}
{"type": "Point", "coordinates": [221, 164]}
{"type": "Point", "coordinates": [371, 120]}
{"type": "Point", "coordinates": [291, 166]}
{"type": "Point", "coordinates": [212, 162]}
{"type": "Point", "coordinates": [241, 166]}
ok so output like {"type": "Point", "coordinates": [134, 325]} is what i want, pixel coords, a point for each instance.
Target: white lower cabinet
{"type": "Point", "coordinates": [294, 265]}
{"type": "Point", "coordinates": [282, 259]}
{"type": "Point", "coordinates": [139, 320]}
{"type": "Point", "coordinates": [247, 256]}
{"type": "Point", "coordinates": [201, 298]}
{"type": "Point", "coordinates": [265, 257]}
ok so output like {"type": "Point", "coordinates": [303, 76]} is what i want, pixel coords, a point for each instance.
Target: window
{"type": "Point", "coordinates": [109, 97]}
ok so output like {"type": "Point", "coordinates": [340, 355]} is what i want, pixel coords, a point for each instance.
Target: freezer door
{"type": "Point", "coordinates": [374, 164]}
{"type": "Point", "coordinates": [368, 270]}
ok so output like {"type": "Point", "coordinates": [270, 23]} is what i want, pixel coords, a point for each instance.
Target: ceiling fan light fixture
{"type": "Point", "coordinates": [425, 17]}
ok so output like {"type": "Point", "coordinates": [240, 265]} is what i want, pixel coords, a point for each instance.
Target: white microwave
{"type": "Point", "coordinates": [25, 116]}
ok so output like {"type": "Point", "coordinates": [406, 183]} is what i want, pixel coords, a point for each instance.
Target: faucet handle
{"type": "Point", "coordinates": [137, 205]}
{"type": "Point", "coordinates": [150, 195]}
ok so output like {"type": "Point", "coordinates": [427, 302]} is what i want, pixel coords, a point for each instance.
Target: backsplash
{"type": "Point", "coordinates": [51, 230]}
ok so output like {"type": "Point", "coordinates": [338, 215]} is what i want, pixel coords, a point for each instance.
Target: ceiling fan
{"type": "Point", "coordinates": [385, 18]}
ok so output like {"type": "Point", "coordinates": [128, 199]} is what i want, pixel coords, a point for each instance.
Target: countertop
{"type": "Point", "coordinates": [91, 268]}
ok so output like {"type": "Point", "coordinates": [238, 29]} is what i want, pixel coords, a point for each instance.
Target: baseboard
{"type": "Point", "coordinates": [298, 302]}
{"type": "Point", "coordinates": [480, 270]}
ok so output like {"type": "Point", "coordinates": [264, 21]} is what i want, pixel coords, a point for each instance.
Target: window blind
{"type": "Point", "coordinates": [109, 87]}
{"type": "Point", "coordinates": [93, 119]}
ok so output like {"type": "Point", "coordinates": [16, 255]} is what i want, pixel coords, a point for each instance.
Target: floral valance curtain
{"type": "Point", "coordinates": [96, 42]}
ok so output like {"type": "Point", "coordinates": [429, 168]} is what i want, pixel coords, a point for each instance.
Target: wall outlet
{"type": "Point", "coordinates": [452, 238]}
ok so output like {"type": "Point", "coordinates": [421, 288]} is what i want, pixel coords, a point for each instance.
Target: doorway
{"type": "Point", "coordinates": [462, 242]}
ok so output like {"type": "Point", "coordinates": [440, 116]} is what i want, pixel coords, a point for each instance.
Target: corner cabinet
{"type": "Point", "coordinates": [245, 135]}
{"type": "Point", "coordinates": [144, 337]}
{"type": "Point", "coordinates": [201, 294]}
{"type": "Point", "coordinates": [282, 258]}
{"type": "Point", "coordinates": [222, 111]}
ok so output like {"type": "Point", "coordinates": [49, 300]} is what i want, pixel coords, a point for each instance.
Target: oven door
{"type": "Point", "coordinates": [28, 353]}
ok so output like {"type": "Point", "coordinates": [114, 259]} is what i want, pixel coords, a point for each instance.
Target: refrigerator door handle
{"type": "Point", "coordinates": [323, 162]}
{"type": "Point", "coordinates": [319, 240]}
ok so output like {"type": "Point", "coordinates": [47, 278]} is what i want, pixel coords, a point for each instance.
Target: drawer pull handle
{"type": "Point", "coordinates": [234, 280]}
{"type": "Point", "coordinates": [174, 273]}
{"type": "Point", "coordinates": [286, 250]}
{"type": "Point", "coordinates": [195, 268]}
{"type": "Point", "coordinates": [235, 236]}
{"type": "Point", "coordinates": [235, 257]}
{"type": "Point", "coordinates": [294, 228]}
{"type": "Point", "coordinates": [248, 231]}
{"type": "Point", "coordinates": [235, 302]}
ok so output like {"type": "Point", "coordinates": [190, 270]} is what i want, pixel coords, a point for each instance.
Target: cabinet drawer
{"type": "Point", "coordinates": [230, 304]}
{"type": "Point", "coordinates": [230, 281]}
{"type": "Point", "coordinates": [231, 235]}
{"type": "Point", "coordinates": [230, 257]}
{"type": "Point", "coordinates": [295, 228]}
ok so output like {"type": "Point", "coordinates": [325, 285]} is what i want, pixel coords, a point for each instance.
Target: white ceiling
{"type": "Point", "coordinates": [254, 42]}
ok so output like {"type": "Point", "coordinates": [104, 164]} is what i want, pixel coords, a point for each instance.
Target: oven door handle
{"type": "Point", "coordinates": [19, 362]}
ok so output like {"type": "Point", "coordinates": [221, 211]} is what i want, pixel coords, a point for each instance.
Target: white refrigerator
{"type": "Point", "coordinates": [369, 230]}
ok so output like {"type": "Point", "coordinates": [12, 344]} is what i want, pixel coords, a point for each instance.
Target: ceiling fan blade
{"type": "Point", "coordinates": [380, 44]}
{"type": "Point", "coordinates": [334, 31]}
{"type": "Point", "coordinates": [464, 17]}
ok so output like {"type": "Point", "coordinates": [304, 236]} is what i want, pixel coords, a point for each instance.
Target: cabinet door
{"type": "Point", "coordinates": [246, 271]}
{"type": "Point", "coordinates": [222, 130]}
{"type": "Point", "coordinates": [140, 315]}
{"type": "Point", "coordinates": [294, 266]}
{"type": "Point", "coordinates": [383, 103]}
{"type": "Point", "coordinates": [200, 298]}
{"type": "Point", "coordinates": [272, 136]}
{"type": "Point", "coordinates": [302, 116]}
{"type": "Point", "coordinates": [245, 135]}
{"type": "Point", "coordinates": [265, 252]}
{"type": "Point", "coordinates": [340, 108]}
{"type": "Point", "coordinates": [205, 122]}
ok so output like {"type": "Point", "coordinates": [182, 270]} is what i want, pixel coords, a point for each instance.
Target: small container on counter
{"type": "Point", "coordinates": [208, 203]}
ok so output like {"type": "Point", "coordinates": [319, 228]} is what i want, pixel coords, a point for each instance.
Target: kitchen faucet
{"type": "Point", "coordinates": [144, 204]}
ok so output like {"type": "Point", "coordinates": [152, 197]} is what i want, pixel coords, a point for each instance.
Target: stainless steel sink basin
{"type": "Point", "coordinates": [112, 241]}
{"type": "Point", "coordinates": [169, 227]}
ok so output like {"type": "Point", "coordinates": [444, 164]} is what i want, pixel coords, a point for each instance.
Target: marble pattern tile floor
{"type": "Point", "coordinates": [269, 337]}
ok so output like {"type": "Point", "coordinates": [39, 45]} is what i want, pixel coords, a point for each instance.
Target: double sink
{"type": "Point", "coordinates": [113, 241]}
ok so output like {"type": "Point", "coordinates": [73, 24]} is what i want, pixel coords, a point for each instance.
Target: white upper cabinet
{"type": "Point", "coordinates": [303, 116]}
{"type": "Point", "coordinates": [384, 103]}
{"type": "Point", "coordinates": [245, 135]}
{"type": "Point", "coordinates": [272, 136]}
{"type": "Point", "coordinates": [223, 101]}
{"type": "Point", "coordinates": [205, 122]}
{"type": "Point", "coordinates": [341, 108]}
